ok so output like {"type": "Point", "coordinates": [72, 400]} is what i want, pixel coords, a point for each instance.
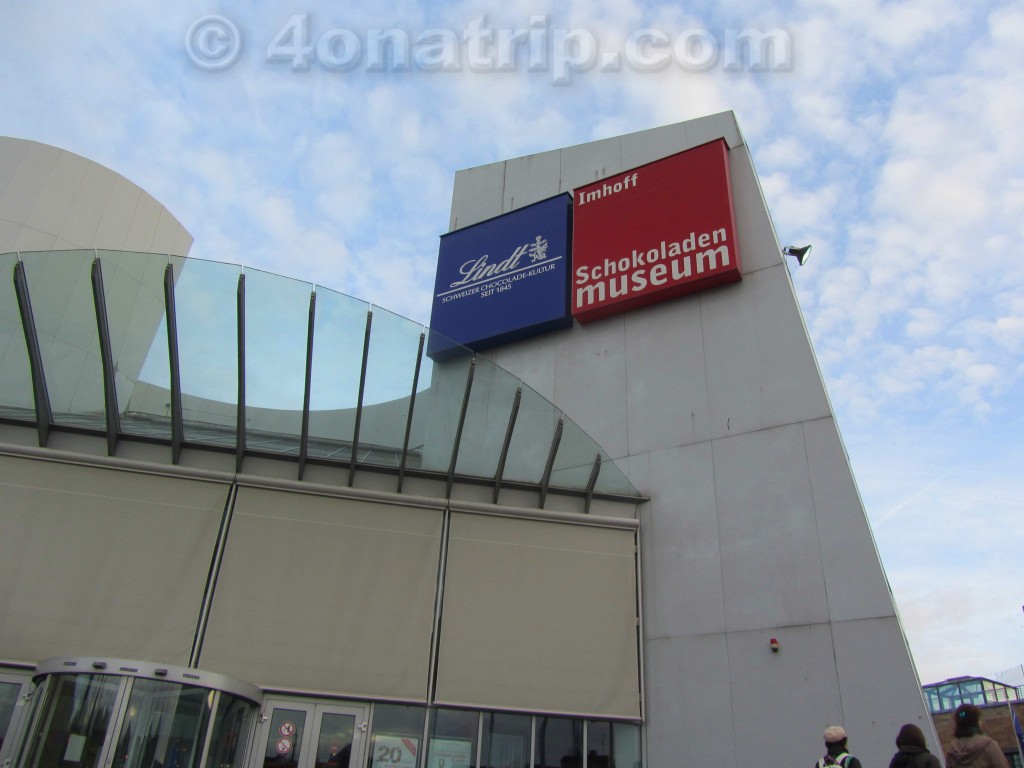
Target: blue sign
{"type": "Point", "coordinates": [504, 279]}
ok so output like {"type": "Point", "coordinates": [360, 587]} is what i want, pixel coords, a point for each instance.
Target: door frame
{"type": "Point", "coordinates": [314, 710]}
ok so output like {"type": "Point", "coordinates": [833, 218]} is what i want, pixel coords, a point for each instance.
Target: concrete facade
{"type": "Point", "coordinates": [714, 406]}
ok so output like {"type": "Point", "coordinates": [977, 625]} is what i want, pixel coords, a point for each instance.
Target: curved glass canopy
{"type": "Point", "coordinates": [202, 354]}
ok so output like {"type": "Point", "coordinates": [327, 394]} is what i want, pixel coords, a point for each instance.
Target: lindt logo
{"type": "Point", "coordinates": [481, 269]}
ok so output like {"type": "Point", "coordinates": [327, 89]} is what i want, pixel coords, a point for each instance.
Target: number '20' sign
{"type": "Point", "coordinates": [395, 751]}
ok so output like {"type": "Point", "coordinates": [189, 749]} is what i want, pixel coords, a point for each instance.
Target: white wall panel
{"type": "Point", "coordinates": [11, 153]}
{"type": "Point", "coordinates": [760, 368]}
{"type": "Point", "coordinates": [102, 562]}
{"type": "Point", "coordinates": [55, 199]}
{"type": "Point", "coordinates": [180, 244]}
{"type": "Point", "coordinates": [759, 245]}
{"type": "Point", "coordinates": [868, 676]}
{"type": "Point", "coordinates": [531, 179]}
{"type": "Point", "coordinates": [723, 125]}
{"type": "Point", "coordinates": [688, 701]}
{"type": "Point", "coordinates": [533, 361]}
{"type": "Point", "coordinates": [733, 359]}
{"type": "Point", "coordinates": [782, 702]}
{"type": "Point", "coordinates": [682, 560]}
{"type": "Point", "coordinates": [846, 541]}
{"type": "Point", "coordinates": [9, 232]}
{"type": "Point", "coordinates": [33, 240]}
{"type": "Point", "coordinates": [478, 194]}
{"type": "Point", "coordinates": [325, 594]}
{"type": "Point", "coordinates": [590, 377]}
{"type": "Point", "coordinates": [771, 566]}
{"type": "Point", "coordinates": [586, 163]}
{"type": "Point", "coordinates": [28, 180]}
{"type": "Point", "coordinates": [83, 218]}
{"type": "Point", "coordinates": [142, 230]}
{"type": "Point", "coordinates": [119, 213]}
{"type": "Point", "coordinates": [647, 146]}
{"type": "Point", "coordinates": [666, 387]}
{"type": "Point", "coordinates": [168, 235]}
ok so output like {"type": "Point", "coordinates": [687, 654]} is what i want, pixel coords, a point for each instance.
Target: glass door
{"type": "Point", "coordinates": [13, 697]}
{"type": "Point", "coordinates": [301, 734]}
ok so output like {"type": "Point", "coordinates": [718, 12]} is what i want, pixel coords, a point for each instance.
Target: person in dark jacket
{"type": "Point", "coordinates": [912, 751]}
{"type": "Point", "coordinates": [971, 748]}
{"type": "Point", "coordinates": [835, 750]}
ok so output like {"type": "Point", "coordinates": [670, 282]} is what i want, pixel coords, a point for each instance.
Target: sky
{"type": "Point", "coordinates": [289, 137]}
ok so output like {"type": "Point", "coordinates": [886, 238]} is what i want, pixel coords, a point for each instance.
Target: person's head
{"type": "Point", "coordinates": [910, 736]}
{"type": "Point", "coordinates": [835, 737]}
{"type": "Point", "coordinates": [968, 720]}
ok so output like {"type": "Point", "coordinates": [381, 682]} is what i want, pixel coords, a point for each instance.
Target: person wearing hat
{"type": "Point", "coordinates": [971, 748]}
{"type": "Point", "coordinates": [835, 750]}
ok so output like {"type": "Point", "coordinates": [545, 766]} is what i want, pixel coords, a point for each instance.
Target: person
{"type": "Point", "coordinates": [911, 751]}
{"type": "Point", "coordinates": [836, 752]}
{"type": "Point", "coordinates": [971, 748]}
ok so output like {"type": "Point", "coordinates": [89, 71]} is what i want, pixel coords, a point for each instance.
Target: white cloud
{"type": "Point", "coordinates": [893, 144]}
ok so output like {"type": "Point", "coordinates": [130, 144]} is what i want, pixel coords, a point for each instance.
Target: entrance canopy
{"type": "Point", "coordinates": [199, 354]}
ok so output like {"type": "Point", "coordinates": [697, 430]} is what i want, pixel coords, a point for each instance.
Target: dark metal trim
{"type": "Point", "coordinates": [412, 407]}
{"type": "Point", "coordinates": [44, 415]}
{"type": "Point", "coordinates": [458, 431]}
{"type": "Point", "coordinates": [508, 441]}
{"type": "Point", "coordinates": [591, 483]}
{"type": "Point", "coordinates": [304, 436]}
{"type": "Point", "coordinates": [435, 634]}
{"type": "Point", "coordinates": [211, 579]}
{"type": "Point", "coordinates": [546, 480]}
{"type": "Point", "coordinates": [174, 361]}
{"type": "Point", "coordinates": [110, 406]}
{"type": "Point", "coordinates": [240, 416]}
{"type": "Point", "coordinates": [359, 402]}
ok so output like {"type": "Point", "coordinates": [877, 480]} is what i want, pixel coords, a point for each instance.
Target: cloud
{"type": "Point", "coordinates": [892, 143]}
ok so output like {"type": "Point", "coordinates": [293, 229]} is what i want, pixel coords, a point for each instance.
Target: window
{"type": "Point", "coordinates": [164, 726]}
{"type": "Point", "coordinates": [73, 723]}
{"type": "Point", "coordinates": [507, 740]}
{"type": "Point", "coordinates": [395, 741]}
{"type": "Point", "coordinates": [613, 745]}
{"type": "Point", "coordinates": [453, 738]}
{"type": "Point", "coordinates": [559, 743]}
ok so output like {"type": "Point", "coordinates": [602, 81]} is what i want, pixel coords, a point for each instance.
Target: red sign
{"type": "Point", "coordinates": [653, 233]}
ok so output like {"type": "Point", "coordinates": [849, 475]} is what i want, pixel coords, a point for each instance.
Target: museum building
{"type": "Point", "coordinates": [597, 514]}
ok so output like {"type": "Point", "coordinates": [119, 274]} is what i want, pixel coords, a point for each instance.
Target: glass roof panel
{"type": "Point", "coordinates": [531, 440]}
{"type": "Point", "coordinates": [277, 315]}
{"type": "Point", "coordinates": [205, 309]}
{"type": "Point", "coordinates": [490, 405]}
{"type": "Point", "coordinates": [575, 460]}
{"type": "Point", "coordinates": [390, 369]}
{"type": "Point", "coordinates": [276, 323]}
{"type": "Point", "coordinates": [133, 289]}
{"type": "Point", "coordinates": [60, 287]}
{"type": "Point", "coordinates": [340, 326]}
{"type": "Point", "coordinates": [438, 408]}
